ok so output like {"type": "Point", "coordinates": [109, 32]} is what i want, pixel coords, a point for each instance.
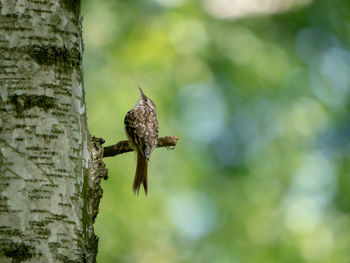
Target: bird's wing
{"type": "Point", "coordinates": [135, 128]}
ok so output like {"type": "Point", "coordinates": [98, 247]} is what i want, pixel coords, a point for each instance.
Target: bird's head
{"type": "Point", "coordinates": [145, 101]}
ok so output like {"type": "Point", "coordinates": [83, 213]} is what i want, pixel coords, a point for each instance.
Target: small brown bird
{"type": "Point", "coordinates": [141, 127]}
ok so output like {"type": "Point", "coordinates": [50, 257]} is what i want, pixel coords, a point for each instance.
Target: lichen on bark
{"type": "Point", "coordinates": [25, 102]}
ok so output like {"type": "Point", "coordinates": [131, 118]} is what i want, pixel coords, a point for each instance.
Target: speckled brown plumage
{"type": "Point", "coordinates": [141, 127]}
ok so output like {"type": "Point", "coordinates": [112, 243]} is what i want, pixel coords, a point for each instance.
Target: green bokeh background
{"type": "Point", "coordinates": [259, 97]}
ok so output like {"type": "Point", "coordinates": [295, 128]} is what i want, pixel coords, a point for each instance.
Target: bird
{"type": "Point", "coordinates": [141, 128]}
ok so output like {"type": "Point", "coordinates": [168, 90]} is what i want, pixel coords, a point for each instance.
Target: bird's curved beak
{"type": "Point", "coordinates": [141, 91]}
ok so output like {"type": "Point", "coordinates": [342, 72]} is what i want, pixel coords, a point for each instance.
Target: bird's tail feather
{"type": "Point", "coordinates": [140, 174]}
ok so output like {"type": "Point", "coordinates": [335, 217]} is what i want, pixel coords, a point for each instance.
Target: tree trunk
{"type": "Point", "coordinates": [45, 208]}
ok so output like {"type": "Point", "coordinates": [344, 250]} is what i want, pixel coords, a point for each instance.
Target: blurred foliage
{"type": "Point", "coordinates": [258, 95]}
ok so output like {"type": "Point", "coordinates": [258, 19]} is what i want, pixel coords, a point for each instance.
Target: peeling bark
{"type": "Point", "coordinates": [97, 171]}
{"type": "Point", "coordinates": [45, 202]}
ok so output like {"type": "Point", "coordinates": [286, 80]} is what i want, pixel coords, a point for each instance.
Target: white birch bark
{"type": "Point", "coordinates": [43, 133]}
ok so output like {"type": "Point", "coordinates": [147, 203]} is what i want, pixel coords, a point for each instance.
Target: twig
{"type": "Point", "coordinates": [123, 146]}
